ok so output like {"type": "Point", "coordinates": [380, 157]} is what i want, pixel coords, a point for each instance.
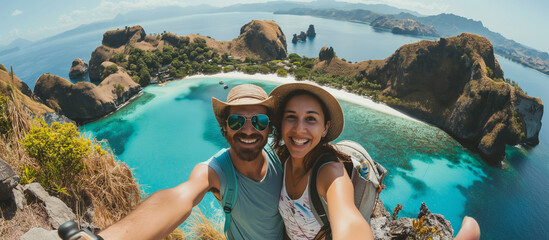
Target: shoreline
{"type": "Point", "coordinates": [338, 93]}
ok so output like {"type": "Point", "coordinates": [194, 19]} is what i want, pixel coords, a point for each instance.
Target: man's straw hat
{"type": "Point", "coordinates": [241, 95]}
{"type": "Point", "coordinates": [334, 109]}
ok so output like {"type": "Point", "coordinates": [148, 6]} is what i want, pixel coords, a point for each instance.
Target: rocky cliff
{"type": "Point", "coordinates": [85, 101]}
{"type": "Point", "coordinates": [457, 85]}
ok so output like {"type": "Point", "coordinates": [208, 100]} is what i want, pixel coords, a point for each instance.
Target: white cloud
{"type": "Point", "coordinates": [109, 9]}
{"type": "Point", "coordinates": [16, 12]}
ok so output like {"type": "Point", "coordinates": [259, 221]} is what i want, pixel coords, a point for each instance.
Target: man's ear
{"type": "Point", "coordinates": [223, 130]}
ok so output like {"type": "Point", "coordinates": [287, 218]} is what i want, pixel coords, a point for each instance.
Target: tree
{"type": "Point", "coordinates": [144, 77]}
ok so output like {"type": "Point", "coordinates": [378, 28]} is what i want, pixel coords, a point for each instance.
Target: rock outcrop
{"type": "Point", "coordinates": [311, 31]}
{"type": "Point", "coordinates": [78, 69]}
{"type": "Point", "coordinates": [384, 228]}
{"type": "Point", "coordinates": [84, 101]}
{"type": "Point", "coordinates": [326, 54]}
{"type": "Point", "coordinates": [8, 180]}
{"type": "Point", "coordinates": [457, 85]}
{"type": "Point", "coordinates": [264, 39]}
{"type": "Point", "coordinates": [57, 210]}
{"type": "Point", "coordinates": [40, 234]}
{"type": "Point", "coordinates": [128, 35]}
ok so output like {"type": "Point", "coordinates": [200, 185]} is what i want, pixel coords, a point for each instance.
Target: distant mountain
{"type": "Point", "coordinates": [14, 46]}
{"type": "Point", "coordinates": [446, 25]}
{"type": "Point", "coordinates": [319, 4]}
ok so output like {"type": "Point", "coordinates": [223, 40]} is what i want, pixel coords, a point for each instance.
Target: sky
{"type": "Point", "coordinates": [523, 21]}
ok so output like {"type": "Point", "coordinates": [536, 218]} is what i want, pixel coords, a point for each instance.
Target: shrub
{"type": "Point", "coordinates": [119, 89]}
{"type": "Point", "coordinates": [264, 69]}
{"type": "Point", "coordinates": [489, 72]}
{"type": "Point", "coordinates": [118, 58]}
{"type": "Point", "coordinates": [422, 232]}
{"type": "Point", "coordinates": [281, 72]}
{"type": "Point", "coordinates": [5, 122]}
{"type": "Point", "coordinates": [207, 68]}
{"type": "Point", "coordinates": [251, 69]}
{"type": "Point", "coordinates": [397, 209]}
{"type": "Point", "coordinates": [109, 70]}
{"type": "Point", "coordinates": [294, 57]}
{"type": "Point", "coordinates": [58, 151]}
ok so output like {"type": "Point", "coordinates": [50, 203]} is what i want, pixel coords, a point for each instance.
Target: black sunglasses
{"type": "Point", "coordinates": [259, 121]}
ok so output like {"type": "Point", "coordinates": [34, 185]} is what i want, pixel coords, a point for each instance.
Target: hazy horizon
{"type": "Point", "coordinates": [523, 22]}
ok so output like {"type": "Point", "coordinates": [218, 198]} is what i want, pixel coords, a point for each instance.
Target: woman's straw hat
{"type": "Point", "coordinates": [241, 95]}
{"type": "Point", "coordinates": [337, 120]}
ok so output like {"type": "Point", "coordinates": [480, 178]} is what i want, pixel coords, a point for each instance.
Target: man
{"type": "Point", "coordinates": [244, 121]}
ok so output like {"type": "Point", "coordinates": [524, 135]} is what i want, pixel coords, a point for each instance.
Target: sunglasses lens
{"type": "Point", "coordinates": [260, 122]}
{"type": "Point", "coordinates": [236, 122]}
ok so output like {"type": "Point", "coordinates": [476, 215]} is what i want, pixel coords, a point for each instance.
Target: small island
{"type": "Point", "coordinates": [303, 36]}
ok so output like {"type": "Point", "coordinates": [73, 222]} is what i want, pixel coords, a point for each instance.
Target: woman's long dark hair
{"type": "Point", "coordinates": [322, 147]}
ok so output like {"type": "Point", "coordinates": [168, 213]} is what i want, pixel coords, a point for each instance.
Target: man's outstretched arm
{"type": "Point", "coordinates": [163, 211]}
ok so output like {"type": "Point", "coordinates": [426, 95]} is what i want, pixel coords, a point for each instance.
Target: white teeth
{"type": "Point", "coordinates": [248, 141]}
{"type": "Point", "coordinates": [300, 141]}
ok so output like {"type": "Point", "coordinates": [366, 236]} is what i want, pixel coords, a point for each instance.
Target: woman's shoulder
{"type": "Point", "coordinates": [327, 174]}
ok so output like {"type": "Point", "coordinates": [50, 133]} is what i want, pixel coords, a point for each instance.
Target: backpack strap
{"type": "Point", "coordinates": [317, 206]}
{"type": "Point", "coordinates": [228, 200]}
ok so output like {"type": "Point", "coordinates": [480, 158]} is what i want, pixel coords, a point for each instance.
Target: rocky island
{"type": "Point", "coordinates": [455, 84]}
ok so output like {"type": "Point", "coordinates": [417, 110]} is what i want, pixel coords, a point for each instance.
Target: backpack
{"type": "Point", "coordinates": [366, 176]}
{"type": "Point", "coordinates": [228, 199]}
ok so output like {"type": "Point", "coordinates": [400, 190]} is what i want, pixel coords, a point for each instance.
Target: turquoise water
{"type": "Point", "coordinates": [168, 130]}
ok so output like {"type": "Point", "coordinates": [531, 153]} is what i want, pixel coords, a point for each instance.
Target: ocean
{"type": "Point", "coordinates": [164, 133]}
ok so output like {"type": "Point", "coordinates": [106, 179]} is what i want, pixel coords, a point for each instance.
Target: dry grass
{"type": "Point", "coordinates": [201, 227]}
{"type": "Point", "coordinates": [13, 223]}
{"type": "Point", "coordinates": [109, 186]}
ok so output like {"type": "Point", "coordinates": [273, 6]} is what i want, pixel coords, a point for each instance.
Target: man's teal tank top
{"type": "Point", "coordinates": [255, 214]}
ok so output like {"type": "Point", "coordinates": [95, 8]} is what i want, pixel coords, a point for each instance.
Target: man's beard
{"type": "Point", "coordinates": [247, 154]}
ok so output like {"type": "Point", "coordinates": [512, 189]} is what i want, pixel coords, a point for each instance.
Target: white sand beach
{"type": "Point", "coordinates": [338, 93]}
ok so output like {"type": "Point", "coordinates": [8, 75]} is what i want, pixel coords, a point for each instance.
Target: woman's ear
{"type": "Point", "coordinates": [326, 129]}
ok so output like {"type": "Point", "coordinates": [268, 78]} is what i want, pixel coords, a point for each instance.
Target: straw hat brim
{"type": "Point", "coordinates": [337, 120]}
{"type": "Point", "coordinates": [219, 106]}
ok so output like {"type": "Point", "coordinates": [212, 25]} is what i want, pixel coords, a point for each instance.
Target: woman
{"type": "Point", "coordinates": [308, 119]}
